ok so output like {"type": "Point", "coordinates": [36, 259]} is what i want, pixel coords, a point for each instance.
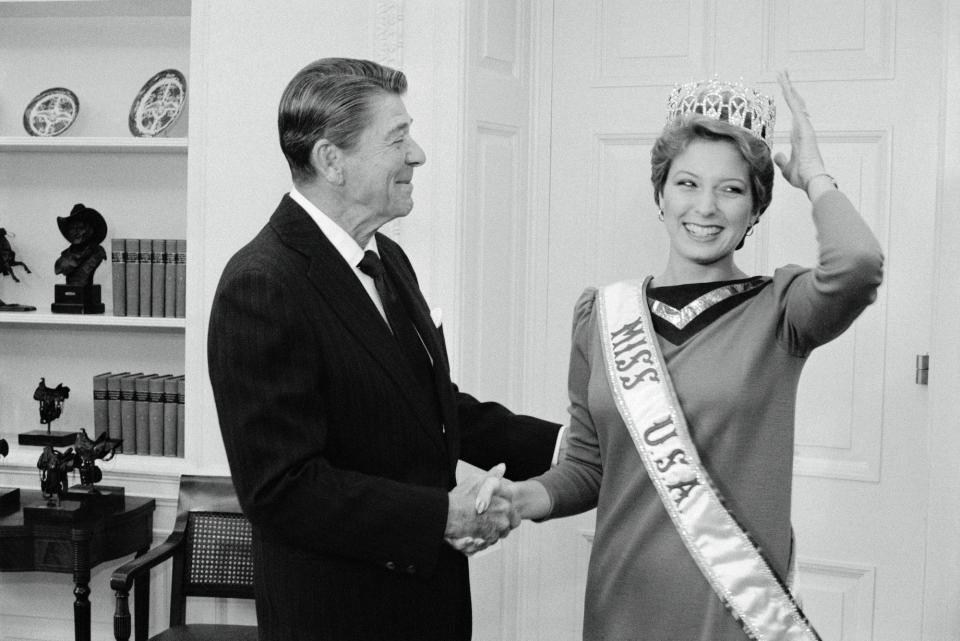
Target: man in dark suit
{"type": "Point", "coordinates": [341, 424]}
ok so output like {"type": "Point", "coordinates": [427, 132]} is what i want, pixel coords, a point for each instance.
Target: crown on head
{"type": "Point", "coordinates": [727, 101]}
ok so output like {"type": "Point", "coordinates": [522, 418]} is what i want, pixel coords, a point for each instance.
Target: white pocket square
{"type": "Point", "coordinates": [436, 315]}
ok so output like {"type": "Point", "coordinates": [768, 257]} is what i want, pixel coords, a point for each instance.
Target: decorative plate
{"type": "Point", "coordinates": [51, 112]}
{"type": "Point", "coordinates": [159, 103]}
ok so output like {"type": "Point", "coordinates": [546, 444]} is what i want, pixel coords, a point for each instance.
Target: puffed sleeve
{"type": "Point", "coordinates": [574, 484]}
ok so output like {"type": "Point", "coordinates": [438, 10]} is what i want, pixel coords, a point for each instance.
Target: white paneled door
{"type": "Point", "coordinates": [866, 69]}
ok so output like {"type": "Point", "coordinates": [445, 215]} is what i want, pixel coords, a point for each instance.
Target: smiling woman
{"type": "Point", "coordinates": [708, 209]}
{"type": "Point", "coordinates": [682, 387]}
{"type": "Point", "coordinates": [720, 151]}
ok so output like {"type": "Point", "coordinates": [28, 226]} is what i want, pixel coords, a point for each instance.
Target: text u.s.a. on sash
{"type": "Point", "coordinates": [634, 362]}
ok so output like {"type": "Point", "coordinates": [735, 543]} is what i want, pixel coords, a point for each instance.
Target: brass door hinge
{"type": "Point", "coordinates": [923, 368]}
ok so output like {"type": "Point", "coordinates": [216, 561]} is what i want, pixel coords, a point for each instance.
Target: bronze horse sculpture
{"type": "Point", "coordinates": [8, 258]}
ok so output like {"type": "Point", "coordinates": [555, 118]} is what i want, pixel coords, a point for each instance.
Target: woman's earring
{"type": "Point", "coordinates": [661, 215]}
{"type": "Point", "coordinates": [749, 231]}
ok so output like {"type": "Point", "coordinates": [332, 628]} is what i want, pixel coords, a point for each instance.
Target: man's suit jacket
{"type": "Point", "coordinates": [337, 455]}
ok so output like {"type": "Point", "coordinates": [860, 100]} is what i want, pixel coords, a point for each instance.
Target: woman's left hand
{"type": "Point", "coordinates": [805, 161]}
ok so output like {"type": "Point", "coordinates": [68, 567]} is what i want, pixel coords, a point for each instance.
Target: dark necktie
{"type": "Point", "coordinates": [397, 318]}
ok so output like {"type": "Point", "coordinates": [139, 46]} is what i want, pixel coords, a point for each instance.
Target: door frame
{"type": "Point", "coordinates": [941, 616]}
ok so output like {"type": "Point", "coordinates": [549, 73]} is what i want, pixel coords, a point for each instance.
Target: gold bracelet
{"type": "Point", "coordinates": [822, 173]}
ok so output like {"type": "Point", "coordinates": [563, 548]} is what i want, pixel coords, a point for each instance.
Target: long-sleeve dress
{"type": "Point", "coordinates": [736, 374]}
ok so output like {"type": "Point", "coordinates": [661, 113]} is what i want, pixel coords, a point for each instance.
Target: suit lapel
{"type": "Point", "coordinates": [416, 306]}
{"type": "Point", "coordinates": [337, 283]}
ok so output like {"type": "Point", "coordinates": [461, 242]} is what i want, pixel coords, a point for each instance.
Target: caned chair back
{"type": "Point", "coordinates": [211, 551]}
{"type": "Point", "coordinates": [217, 558]}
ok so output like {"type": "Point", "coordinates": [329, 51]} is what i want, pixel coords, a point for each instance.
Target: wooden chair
{"type": "Point", "coordinates": [211, 551]}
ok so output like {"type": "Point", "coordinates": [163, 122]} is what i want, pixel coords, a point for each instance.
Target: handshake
{"type": "Point", "coordinates": [481, 511]}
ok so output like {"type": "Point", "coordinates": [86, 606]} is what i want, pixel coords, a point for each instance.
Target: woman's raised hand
{"type": "Point", "coordinates": [805, 162]}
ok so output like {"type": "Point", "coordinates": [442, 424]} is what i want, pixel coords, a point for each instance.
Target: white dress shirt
{"type": "Point", "coordinates": [343, 243]}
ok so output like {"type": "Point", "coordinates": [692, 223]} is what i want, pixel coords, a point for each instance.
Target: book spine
{"type": "Point", "coordinates": [132, 270]}
{"type": "Point", "coordinates": [114, 423]}
{"type": "Point", "coordinates": [170, 416]}
{"type": "Point", "coordinates": [128, 413]}
{"type": "Point", "coordinates": [181, 425]}
{"type": "Point", "coordinates": [101, 418]}
{"type": "Point", "coordinates": [170, 278]}
{"type": "Point", "coordinates": [181, 270]}
{"type": "Point", "coordinates": [156, 415]}
{"type": "Point", "coordinates": [146, 275]}
{"type": "Point", "coordinates": [156, 268]}
{"type": "Point", "coordinates": [141, 398]}
{"type": "Point", "coordinates": [119, 276]}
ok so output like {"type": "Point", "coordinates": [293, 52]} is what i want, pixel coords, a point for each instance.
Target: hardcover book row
{"type": "Point", "coordinates": [149, 277]}
{"type": "Point", "coordinates": [145, 410]}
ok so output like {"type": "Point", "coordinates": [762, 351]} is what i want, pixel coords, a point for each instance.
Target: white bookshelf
{"type": "Point", "coordinates": [104, 51]}
{"type": "Point", "coordinates": [90, 320]}
{"type": "Point", "coordinates": [95, 144]}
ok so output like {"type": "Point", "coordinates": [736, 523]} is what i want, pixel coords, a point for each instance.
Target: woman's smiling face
{"type": "Point", "coordinates": [707, 202]}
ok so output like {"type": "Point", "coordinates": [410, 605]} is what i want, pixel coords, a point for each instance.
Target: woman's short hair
{"type": "Point", "coordinates": [330, 98]}
{"type": "Point", "coordinates": [679, 134]}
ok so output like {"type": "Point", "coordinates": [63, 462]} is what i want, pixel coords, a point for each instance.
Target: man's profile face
{"type": "Point", "coordinates": [378, 170]}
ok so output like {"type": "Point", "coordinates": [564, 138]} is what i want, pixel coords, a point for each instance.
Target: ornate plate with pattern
{"type": "Point", "coordinates": [159, 103]}
{"type": "Point", "coordinates": [51, 112]}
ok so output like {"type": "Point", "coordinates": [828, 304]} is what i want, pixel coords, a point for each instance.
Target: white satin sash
{"type": "Point", "coordinates": [647, 402]}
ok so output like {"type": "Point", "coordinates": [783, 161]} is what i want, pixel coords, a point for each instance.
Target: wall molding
{"type": "Point", "coordinates": [388, 33]}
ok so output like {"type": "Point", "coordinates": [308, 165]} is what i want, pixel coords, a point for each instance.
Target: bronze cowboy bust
{"type": "Point", "coordinates": [85, 228]}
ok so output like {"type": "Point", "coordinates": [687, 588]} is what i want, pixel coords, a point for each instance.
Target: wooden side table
{"type": "Point", "coordinates": [74, 542]}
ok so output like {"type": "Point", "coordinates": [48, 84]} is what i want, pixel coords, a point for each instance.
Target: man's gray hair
{"type": "Point", "coordinates": [330, 98]}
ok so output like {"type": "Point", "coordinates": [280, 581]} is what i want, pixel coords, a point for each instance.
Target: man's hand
{"type": "Point", "coordinates": [470, 529]}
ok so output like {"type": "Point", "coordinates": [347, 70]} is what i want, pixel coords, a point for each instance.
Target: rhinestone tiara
{"type": "Point", "coordinates": [727, 101]}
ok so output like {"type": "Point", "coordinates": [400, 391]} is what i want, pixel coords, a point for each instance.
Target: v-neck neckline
{"type": "Point", "coordinates": [681, 311]}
